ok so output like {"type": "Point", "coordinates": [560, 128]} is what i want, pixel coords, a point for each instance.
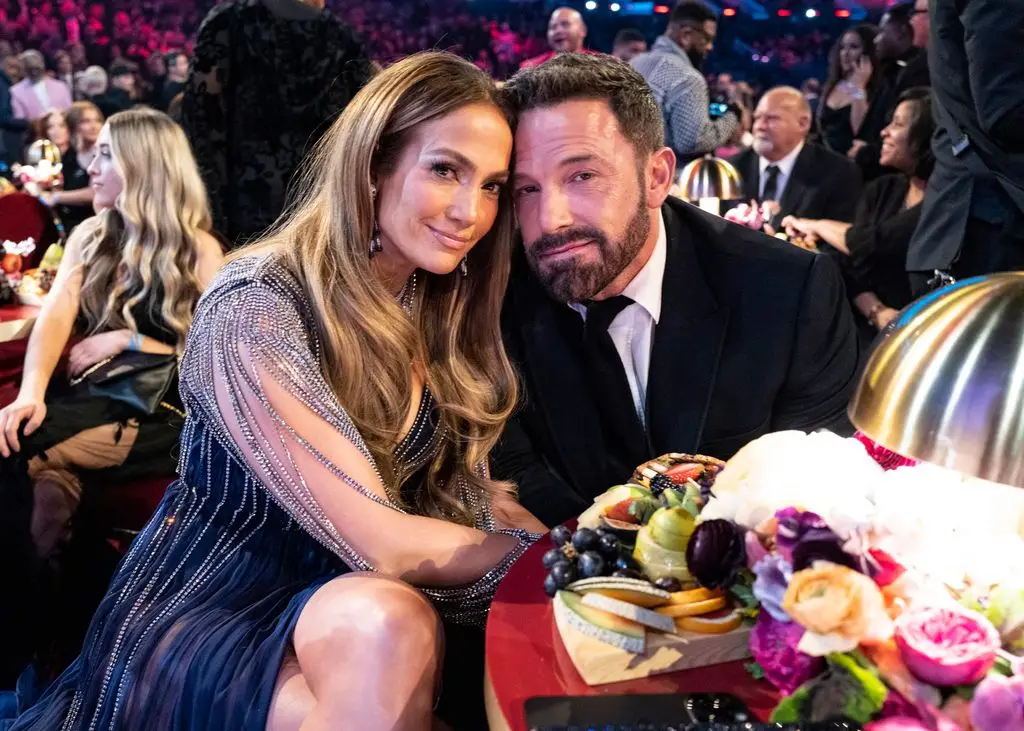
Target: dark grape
{"type": "Point", "coordinates": [550, 587]}
{"type": "Point", "coordinates": [660, 483]}
{"type": "Point", "coordinates": [552, 557]}
{"type": "Point", "coordinates": [564, 573]}
{"type": "Point", "coordinates": [669, 583]}
{"type": "Point", "coordinates": [627, 574]}
{"type": "Point", "coordinates": [560, 535]}
{"type": "Point", "coordinates": [609, 545]}
{"type": "Point", "coordinates": [591, 564]}
{"type": "Point", "coordinates": [603, 530]}
{"type": "Point", "coordinates": [626, 563]}
{"type": "Point", "coordinates": [585, 540]}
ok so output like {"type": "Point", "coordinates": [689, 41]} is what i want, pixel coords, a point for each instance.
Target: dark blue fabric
{"type": "Point", "coordinates": [192, 631]}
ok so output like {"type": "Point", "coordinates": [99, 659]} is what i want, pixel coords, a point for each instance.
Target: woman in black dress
{"type": "Point", "coordinates": [74, 133]}
{"type": "Point", "coordinates": [851, 86]}
{"type": "Point", "coordinates": [876, 243]}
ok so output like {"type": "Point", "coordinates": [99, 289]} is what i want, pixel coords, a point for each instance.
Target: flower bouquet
{"type": "Point", "coordinates": [887, 592]}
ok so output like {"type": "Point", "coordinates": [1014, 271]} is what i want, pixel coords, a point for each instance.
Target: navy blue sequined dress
{"type": "Point", "coordinates": [193, 629]}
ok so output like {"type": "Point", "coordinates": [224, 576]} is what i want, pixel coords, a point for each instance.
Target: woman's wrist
{"type": "Point", "coordinates": [132, 340]}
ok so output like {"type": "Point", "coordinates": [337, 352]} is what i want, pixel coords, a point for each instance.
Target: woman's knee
{"type": "Point", "coordinates": [367, 612]}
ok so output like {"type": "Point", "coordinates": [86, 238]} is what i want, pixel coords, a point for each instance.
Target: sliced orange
{"type": "Point", "coordinates": [717, 623]}
{"type": "Point", "coordinates": [695, 595]}
{"type": "Point", "coordinates": [693, 609]}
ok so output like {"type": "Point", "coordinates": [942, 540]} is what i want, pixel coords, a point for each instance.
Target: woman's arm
{"type": "Point", "coordinates": [859, 101]}
{"type": "Point", "coordinates": [209, 260]}
{"type": "Point", "coordinates": [874, 310]}
{"type": "Point", "coordinates": [52, 328]}
{"type": "Point", "coordinates": [79, 197]}
{"type": "Point", "coordinates": [832, 233]}
{"type": "Point", "coordinates": [251, 368]}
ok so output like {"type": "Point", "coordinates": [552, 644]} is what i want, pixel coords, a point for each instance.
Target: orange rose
{"type": "Point", "coordinates": [840, 608]}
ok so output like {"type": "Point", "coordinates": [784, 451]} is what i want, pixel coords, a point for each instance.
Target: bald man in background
{"type": "Point", "coordinates": [805, 180]}
{"type": "Point", "coordinates": [566, 34]}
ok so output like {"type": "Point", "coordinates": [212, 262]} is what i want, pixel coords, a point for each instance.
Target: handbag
{"type": "Point", "coordinates": [140, 380]}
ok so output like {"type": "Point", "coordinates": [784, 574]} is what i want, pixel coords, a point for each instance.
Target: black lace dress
{"type": "Point", "coordinates": [268, 78]}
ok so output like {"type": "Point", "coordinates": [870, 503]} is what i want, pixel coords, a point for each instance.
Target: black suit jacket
{"type": "Point", "coordinates": [755, 335]}
{"type": "Point", "coordinates": [822, 184]}
{"type": "Point", "coordinates": [12, 131]}
{"type": "Point", "coordinates": [978, 96]}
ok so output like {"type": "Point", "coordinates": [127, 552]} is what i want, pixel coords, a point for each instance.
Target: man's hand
{"type": "Point", "coordinates": [96, 348]}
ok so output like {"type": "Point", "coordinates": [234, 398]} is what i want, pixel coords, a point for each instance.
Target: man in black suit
{"type": "Point", "coordinates": [972, 221]}
{"type": "Point", "coordinates": [12, 130]}
{"type": "Point", "coordinates": [640, 324]}
{"type": "Point", "coordinates": [804, 179]}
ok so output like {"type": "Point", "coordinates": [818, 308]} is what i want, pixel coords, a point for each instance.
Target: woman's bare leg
{"type": "Point", "coordinates": [369, 651]}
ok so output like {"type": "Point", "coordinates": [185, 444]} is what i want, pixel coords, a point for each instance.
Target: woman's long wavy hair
{"type": "Point", "coordinates": [143, 251]}
{"type": "Point", "coordinates": [367, 340]}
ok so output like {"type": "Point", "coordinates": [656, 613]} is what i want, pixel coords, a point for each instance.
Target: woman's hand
{"type": "Point", "coordinates": [883, 317]}
{"type": "Point", "coordinates": [862, 73]}
{"type": "Point", "coordinates": [96, 348]}
{"type": "Point", "coordinates": [802, 227]}
{"type": "Point", "coordinates": [28, 410]}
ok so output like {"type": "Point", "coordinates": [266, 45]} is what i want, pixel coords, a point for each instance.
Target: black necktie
{"type": "Point", "coordinates": [771, 183]}
{"type": "Point", "coordinates": [611, 387]}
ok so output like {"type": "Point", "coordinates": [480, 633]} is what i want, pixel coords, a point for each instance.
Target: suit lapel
{"type": "Point", "coordinates": [688, 339]}
{"type": "Point", "coordinates": [796, 186]}
{"type": "Point", "coordinates": [559, 384]}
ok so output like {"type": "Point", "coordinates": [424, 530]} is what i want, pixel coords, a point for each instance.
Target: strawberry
{"type": "Point", "coordinates": [680, 473]}
{"type": "Point", "coordinates": [620, 512]}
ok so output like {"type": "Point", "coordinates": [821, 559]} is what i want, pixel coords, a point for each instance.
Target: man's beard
{"type": "Point", "coordinates": [575, 281]}
{"type": "Point", "coordinates": [696, 58]}
{"type": "Point", "coordinates": [762, 146]}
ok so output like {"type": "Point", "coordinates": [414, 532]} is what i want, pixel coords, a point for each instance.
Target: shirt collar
{"type": "Point", "coordinates": [645, 287]}
{"type": "Point", "coordinates": [785, 165]}
{"type": "Point", "coordinates": [667, 45]}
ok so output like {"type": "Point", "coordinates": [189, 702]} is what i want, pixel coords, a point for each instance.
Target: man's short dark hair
{"type": "Point", "coordinates": [578, 76]}
{"type": "Point", "coordinates": [901, 14]}
{"type": "Point", "coordinates": [171, 56]}
{"type": "Point", "coordinates": [691, 13]}
{"type": "Point", "coordinates": [628, 35]}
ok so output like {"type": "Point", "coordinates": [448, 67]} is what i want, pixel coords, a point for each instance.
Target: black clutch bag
{"type": "Point", "coordinates": [140, 380]}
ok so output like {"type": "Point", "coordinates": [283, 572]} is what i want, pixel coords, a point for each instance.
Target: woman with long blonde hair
{"type": "Point", "coordinates": [128, 284]}
{"type": "Point", "coordinates": [345, 381]}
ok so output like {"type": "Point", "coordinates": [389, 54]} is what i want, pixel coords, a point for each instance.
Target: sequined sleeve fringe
{"type": "Point", "coordinates": [251, 325]}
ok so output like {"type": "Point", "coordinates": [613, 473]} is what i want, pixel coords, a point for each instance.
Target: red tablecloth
{"type": "Point", "coordinates": [525, 656]}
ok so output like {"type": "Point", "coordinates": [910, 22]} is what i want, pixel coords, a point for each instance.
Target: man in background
{"type": "Point", "coordinates": [120, 93]}
{"type": "Point", "coordinates": [566, 34]}
{"type": "Point", "coordinates": [629, 42]}
{"type": "Point", "coordinates": [903, 66]}
{"type": "Point", "coordinates": [177, 75]}
{"type": "Point", "coordinates": [672, 68]}
{"type": "Point", "coordinates": [803, 179]}
{"type": "Point", "coordinates": [37, 94]}
{"type": "Point", "coordinates": [12, 129]}
{"type": "Point", "coordinates": [972, 221]}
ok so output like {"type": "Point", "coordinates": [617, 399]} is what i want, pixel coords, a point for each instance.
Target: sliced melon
{"type": "Point", "coordinates": [646, 617]}
{"type": "Point", "coordinates": [591, 517]}
{"type": "Point", "coordinates": [634, 591]}
{"type": "Point", "coordinates": [693, 609]}
{"type": "Point", "coordinates": [599, 625]}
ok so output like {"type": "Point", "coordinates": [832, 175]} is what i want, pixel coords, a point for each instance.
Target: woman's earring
{"type": "Point", "coordinates": [375, 246]}
{"type": "Point", "coordinates": [463, 267]}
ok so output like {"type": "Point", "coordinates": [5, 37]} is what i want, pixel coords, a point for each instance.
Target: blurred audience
{"type": "Point", "coordinates": [75, 134]}
{"type": "Point", "coordinates": [789, 175]}
{"type": "Point", "coordinates": [566, 34]}
{"type": "Point", "coordinates": [629, 42]}
{"type": "Point", "coordinates": [875, 245]}
{"type": "Point", "coordinates": [37, 94]}
{"type": "Point", "coordinates": [672, 68]}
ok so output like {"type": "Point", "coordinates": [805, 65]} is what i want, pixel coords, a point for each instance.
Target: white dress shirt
{"type": "Point", "coordinates": [785, 166]}
{"type": "Point", "coordinates": [632, 330]}
{"type": "Point", "coordinates": [42, 94]}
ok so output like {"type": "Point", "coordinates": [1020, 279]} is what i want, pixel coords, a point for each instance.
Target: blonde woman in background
{"type": "Point", "coordinates": [345, 382]}
{"type": "Point", "coordinates": [129, 281]}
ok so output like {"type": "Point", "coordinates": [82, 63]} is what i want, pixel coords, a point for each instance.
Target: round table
{"type": "Point", "coordinates": [16, 321]}
{"type": "Point", "coordinates": [525, 657]}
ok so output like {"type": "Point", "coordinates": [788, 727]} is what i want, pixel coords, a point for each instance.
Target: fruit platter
{"type": "Point", "coordinates": [862, 586]}
{"type": "Point", "coordinates": [627, 600]}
